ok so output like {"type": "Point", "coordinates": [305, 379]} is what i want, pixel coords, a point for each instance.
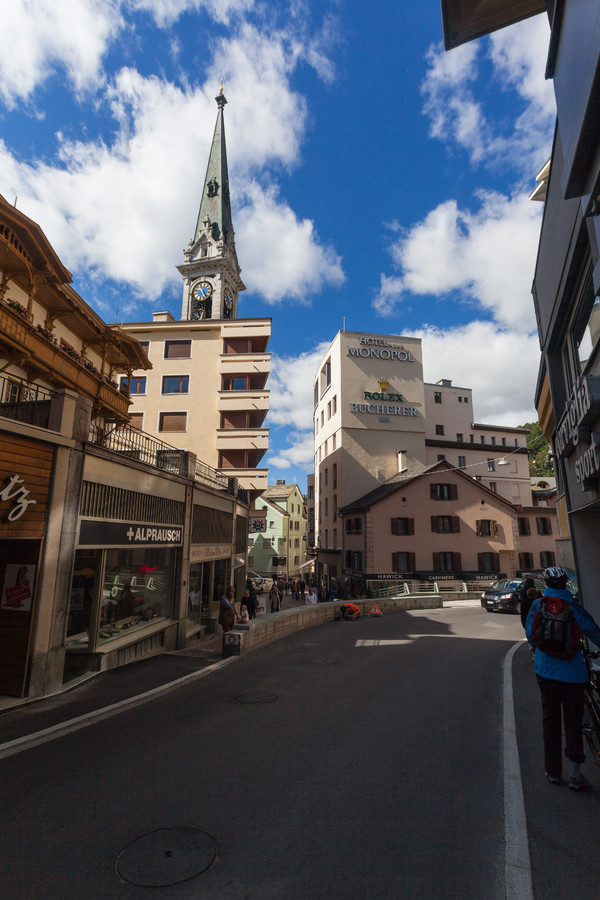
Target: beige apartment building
{"type": "Point", "coordinates": [280, 550]}
{"type": "Point", "coordinates": [207, 389]}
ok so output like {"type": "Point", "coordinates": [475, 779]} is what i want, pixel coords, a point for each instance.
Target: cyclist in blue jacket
{"type": "Point", "coordinates": [562, 685]}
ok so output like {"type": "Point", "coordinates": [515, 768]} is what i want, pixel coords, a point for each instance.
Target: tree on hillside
{"type": "Point", "coordinates": [539, 460]}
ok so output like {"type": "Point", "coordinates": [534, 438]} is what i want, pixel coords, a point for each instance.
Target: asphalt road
{"type": "Point", "coordinates": [353, 760]}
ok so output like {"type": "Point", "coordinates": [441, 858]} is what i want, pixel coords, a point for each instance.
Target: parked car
{"type": "Point", "coordinates": [503, 596]}
{"type": "Point", "coordinates": [261, 585]}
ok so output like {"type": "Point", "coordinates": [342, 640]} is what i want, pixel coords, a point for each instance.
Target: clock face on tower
{"type": "Point", "coordinates": [202, 290]}
{"type": "Point", "coordinates": [201, 302]}
{"type": "Point", "coordinates": [227, 304]}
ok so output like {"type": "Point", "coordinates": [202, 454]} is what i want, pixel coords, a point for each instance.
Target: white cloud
{"type": "Point", "coordinates": [39, 36]}
{"type": "Point", "coordinates": [291, 385]}
{"type": "Point", "coordinates": [165, 12]}
{"type": "Point", "coordinates": [500, 365]}
{"type": "Point", "coordinates": [299, 454]}
{"type": "Point", "coordinates": [517, 57]}
{"type": "Point", "coordinates": [125, 210]}
{"type": "Point", "coordinates": [488, 255]}
{"type": "Point", "coordinates": [295, 264]}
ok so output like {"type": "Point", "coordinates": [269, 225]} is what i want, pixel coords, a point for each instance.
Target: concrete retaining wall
{"type": "Point", "coordinates": [271, 627]}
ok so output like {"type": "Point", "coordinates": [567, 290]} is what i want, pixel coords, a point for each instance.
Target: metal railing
{"type": "Point", "coordinates": [135, 444]}
{"type": "Point", "coordinates": [24, 401]}
{"type": "Point", "coordinates": [392, 589]}
{"type": "Point", "coordinates": [205, 474]}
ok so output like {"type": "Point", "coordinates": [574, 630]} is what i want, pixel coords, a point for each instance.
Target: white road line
{"type": "Point", "coordinates": [517, 864]}
{"type": "Point", "coordinates": [97, 715]}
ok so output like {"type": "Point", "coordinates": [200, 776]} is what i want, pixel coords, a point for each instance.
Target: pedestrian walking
{"type": "Point", "coordinates": [302, 587]}
{"type": "Point", "coordinates": [227, 610]}
{"type": "Point", "coordinates": [554, 625]}
{"type": "Point", "coordinates": [275, 598]}
{"type": "Point", "coordinates": [249, 600]}
{"type": "Point", "coordinates": [524, 601]}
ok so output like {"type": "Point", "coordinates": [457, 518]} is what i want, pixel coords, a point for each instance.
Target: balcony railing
{"type": "Point", "coordinates": [134, 444]}
{"type": "Point", "coordinates": [205, 474]}
{"type": "Point", "coordinates": [24, 401]}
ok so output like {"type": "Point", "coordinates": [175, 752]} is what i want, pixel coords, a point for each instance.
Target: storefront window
{"type": "Point", "coordinates": [137, 589]}
{"type": "Point", "coordinates": [200, 574]}
{"type": "Point", "coordinates": [83, 591]}
{"type": "Point", "coordinates": [590, 335]}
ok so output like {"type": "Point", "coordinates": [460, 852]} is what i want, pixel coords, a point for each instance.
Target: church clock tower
{"type": "Point", "coordinates": [211, 272]}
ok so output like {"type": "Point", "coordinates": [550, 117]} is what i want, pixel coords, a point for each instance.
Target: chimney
{"type": "Point", "coordinates": [402, 462]}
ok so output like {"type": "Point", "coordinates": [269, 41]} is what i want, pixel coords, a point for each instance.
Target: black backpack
{"type": "Point", "coordinates": [555, 629]}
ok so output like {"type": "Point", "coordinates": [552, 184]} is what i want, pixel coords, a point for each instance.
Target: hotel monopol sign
{"type": "Point", "coordinates": [382, 403]}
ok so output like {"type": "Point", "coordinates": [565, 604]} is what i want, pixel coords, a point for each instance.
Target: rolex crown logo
{"type": "Point", "coordinates": [383, 384]}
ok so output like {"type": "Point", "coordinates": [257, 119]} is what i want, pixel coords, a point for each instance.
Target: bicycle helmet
{"type": "Point", "coordinates": [555, 576]}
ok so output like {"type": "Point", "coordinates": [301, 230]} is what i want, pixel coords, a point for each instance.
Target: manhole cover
{"type": "Point", "coordinates": [324, 661]}
{"type": "Point", "coordinates": [166, 856]}
{"type": "Point", "coordinates": [256, 697]}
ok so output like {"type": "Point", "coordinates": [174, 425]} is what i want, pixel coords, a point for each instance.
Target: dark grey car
{"type": "Point", "coordinates": [503, 596]}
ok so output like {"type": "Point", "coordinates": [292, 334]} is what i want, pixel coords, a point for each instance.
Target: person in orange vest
{"type": "Point", "coordinates": [348, 611]}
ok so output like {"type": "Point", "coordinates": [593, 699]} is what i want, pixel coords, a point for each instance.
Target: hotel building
{"type": "Point", "coordinates": [378, 427]}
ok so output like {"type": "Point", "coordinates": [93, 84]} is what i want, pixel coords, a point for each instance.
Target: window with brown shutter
{"type": "Point", "coordinates": [403, 526]}
{"type": "Point", "coordinates": [524, 526]}
{"type": "Point", "coordinates": [443, 491]}
{"type": "Point", "coordinates": [526, 560]}
{"type": "Point", "coordinates": [488, 562]}
{"type": "Point", "coordinates": [486, 527]}
{"type": "Point", "coordinates": [445, 524]}
{"type": "Point", "coordinates": [403, 562]}
{"type": "Point", "coordinates": [172, 421]}
{"type": "Point", "coordinates": [446, 561]}
{"type": "Point", "coordinates": [136, 420]}
{"type": "Point", "coordinates": [544, 526]}
{"type": "Point", "coordinates": [178, 349]}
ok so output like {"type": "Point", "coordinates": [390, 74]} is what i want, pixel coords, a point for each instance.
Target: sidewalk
{"type": "Point", "coordinates": [107, 688]}
{"type": "Point", "coordinates": [562, 825]}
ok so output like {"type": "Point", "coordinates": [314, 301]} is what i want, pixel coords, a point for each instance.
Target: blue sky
{"type": "Point", "coordinates": [373, 176]}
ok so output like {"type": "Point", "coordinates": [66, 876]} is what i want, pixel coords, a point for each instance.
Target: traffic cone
{"type": "Point", "coordinates": [375, 611]}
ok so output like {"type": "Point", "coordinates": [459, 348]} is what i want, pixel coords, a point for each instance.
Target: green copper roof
{"type": "Point", "coordinates": [215, 201]}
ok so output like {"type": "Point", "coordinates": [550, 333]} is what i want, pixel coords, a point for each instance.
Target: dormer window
{"type": "Point", "coordinates": [212, 187]}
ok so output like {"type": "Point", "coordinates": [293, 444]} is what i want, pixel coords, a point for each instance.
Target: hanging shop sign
{"type": "Point", "coordinates": [380, 348]}
{"type": "Point", "coordinates": [258, 524]}
{"type": "Point", "coordinates": [93, 533]}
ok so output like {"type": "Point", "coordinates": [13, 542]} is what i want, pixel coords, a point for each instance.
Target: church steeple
{"type": "Point", "coordinates": [211, 272]}
{"type": "Point", "coordinates": [215, 201]}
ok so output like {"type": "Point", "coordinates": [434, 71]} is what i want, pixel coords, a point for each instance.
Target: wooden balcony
{"type": "Point", "coordinates": [42, 359]}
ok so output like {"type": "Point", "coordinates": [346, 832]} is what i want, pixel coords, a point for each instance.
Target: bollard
{"type": "Point", "coordinates": [231, 644]}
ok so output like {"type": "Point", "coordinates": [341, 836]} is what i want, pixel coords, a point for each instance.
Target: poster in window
{"type": "Point", "coordinates": [18, 587]}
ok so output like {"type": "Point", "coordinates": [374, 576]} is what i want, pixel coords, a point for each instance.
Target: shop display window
{"type": "Point", "coordinates": [83, 592]}
{"type": "Point", "coordinates": [200, 575]}
{"type": "Point", "coordinates": [115, 592]}
{"type": "Point", "coordinates": [137, 589]}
